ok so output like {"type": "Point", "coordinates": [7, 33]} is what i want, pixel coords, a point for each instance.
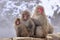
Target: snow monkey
{"type": "Point", "coordinates": [27, 21]}
{"type": "Point", "coordinates": [41, 23]}
{"type": "Point", "coordinates": [21, 30]}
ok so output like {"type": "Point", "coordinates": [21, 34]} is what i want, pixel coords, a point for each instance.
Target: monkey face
{"type": "Point", "coordinates": [17, 22]}
{"type": "Point", "coordinates": [39, 9]}
{"type": "Point", "coordinates": [25, 17]}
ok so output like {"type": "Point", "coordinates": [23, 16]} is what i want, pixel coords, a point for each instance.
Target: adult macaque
{"type": "Point", "coordinates": [41, 22]}
{"type": "Point", "coordinates": [20, 28]}
{"type": "Point", "coordinates": [26, 20]}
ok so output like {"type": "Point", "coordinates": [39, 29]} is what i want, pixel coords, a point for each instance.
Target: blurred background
{"type": "Point", "coordinates": [11, 9]}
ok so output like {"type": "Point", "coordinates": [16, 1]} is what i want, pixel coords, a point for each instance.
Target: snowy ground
{"type": "Point", "coordinates": [10, 9]}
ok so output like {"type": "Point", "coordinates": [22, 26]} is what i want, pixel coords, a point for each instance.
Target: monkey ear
{"type": "Point", "coordinates": [40, 10]}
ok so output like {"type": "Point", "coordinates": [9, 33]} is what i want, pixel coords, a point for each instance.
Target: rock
{"type": "Point", "coordinates": [49, 37]}
{"type": "Point", "coordinates": [5, 39]}
{"type": "Point", "coordinates": [27, 38]}
{"type": "Point", "coordinates": [53, 36]}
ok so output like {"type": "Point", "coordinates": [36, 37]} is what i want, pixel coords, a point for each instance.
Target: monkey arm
{"type": "Point", "coordinates": [36, 22]}
{"type": "Point", "coordinates": [45, 28]}
{"type": "Point", "coordinates": [33, 27]}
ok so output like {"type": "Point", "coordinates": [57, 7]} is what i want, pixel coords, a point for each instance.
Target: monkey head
{"type": "Point", "coordinates": [39, 9]}
{"type": "Point", "coordinates": [25, 15]}
{"type": "Point", "coordinates": [17, 22]}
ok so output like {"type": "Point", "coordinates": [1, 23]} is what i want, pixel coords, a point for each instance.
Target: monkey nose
{"type": "Point", "coordinates": [18, 23]}
{"type": "Point", "coordinates": [25, 17]}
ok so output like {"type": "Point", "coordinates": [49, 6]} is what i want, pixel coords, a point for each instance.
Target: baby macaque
{"type": "Point", "coordinates": [21, 30]}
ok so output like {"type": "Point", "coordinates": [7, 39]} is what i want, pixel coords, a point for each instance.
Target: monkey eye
{"type": "Point", "coordinates": [40, 10]}
{"type": "Point", "coordinates": [26, 15]}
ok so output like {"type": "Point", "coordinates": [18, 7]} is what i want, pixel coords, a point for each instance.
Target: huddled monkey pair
{"type": "Point", "coordinates": [24, 26]}
{"type": "Point", "coordinates": [35, 26]}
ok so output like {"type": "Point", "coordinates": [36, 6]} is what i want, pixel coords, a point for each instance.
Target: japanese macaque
{"type": "Point", "coordinates": [41, 23]}
{"type": "Point", "coordinates": [26, 20]}
{"type": "Point", "coordinates": [21, 30]}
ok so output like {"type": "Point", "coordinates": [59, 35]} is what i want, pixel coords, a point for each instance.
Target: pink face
{"type": "Point", "coordinates": [17, 22]}
{"type": "Point", "coordinates": [40, 10]}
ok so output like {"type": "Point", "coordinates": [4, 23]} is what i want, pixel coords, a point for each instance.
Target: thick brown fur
{"type": "Point", "coordinates": [41, 21]}
{"type": "Point", "coordinates": [21, 30]}
{"type": "Point", "coordinates": [50, 28]}
{"type": "Point", "coordinates": [28, 23]}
